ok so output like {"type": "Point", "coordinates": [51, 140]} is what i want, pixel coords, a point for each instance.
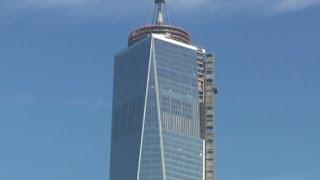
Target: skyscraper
{"type": "Point", "coordinates": [163, 107]}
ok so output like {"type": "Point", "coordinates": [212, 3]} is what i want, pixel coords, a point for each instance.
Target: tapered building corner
{"type": "Point", "coordinates": [163, 117]}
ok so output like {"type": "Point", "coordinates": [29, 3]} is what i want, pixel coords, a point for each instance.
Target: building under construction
{"type": "Point", "coordinates": [163, 117]}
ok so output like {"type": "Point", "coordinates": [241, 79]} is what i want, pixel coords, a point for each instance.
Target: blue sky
{"type": "Point", "coordinates": [56, 66]}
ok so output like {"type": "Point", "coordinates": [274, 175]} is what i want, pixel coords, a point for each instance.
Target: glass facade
{"type": "Point", "coordinates": [129, 89]}
{"type": "Point", "coordinates": [151, 157]}
{"type": "Point", "coordinates": [179, 108]}
{"type": "Point", "coordinates": [156, 119]}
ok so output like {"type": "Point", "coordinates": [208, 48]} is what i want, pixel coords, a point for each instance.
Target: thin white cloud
{"type": "Point", "coordinates": [288, 176]}
{"type": "Point", "coordinates": [188, 3]}
{"type": "Point", "coordinates": [55, 3]}
{"type": "Point", "coordinates": [31, 99]}
{"type": "Point", "coordinates": [128, 8]}
{"type": "Point", "coordinates": [86, 103]}
{"type": "Point", "coordinates": [257, 6]}
{"type": "Point", "coordinates": [18, 98]}
{"type": "Point", "coordinates": [292, 5]}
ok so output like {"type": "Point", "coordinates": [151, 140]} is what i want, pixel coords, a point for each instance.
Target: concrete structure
{"type": "Point", "coordinates": [163, 119]}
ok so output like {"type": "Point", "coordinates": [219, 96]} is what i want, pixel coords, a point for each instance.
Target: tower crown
{"type": "Point", "coordinates": [160, 27]}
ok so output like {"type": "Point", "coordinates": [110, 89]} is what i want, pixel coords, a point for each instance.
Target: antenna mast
{"type": "Point", "coordinates": [159, 16]}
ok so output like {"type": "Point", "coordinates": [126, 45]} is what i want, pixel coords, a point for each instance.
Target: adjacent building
{"type": "Point", "coordinates": [163, 118]}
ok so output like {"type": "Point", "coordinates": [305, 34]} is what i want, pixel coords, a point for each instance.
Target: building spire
{"type": "Point", "coordinates": [159, 15]}
{"type": "Point", "coordinates": [160, 25]}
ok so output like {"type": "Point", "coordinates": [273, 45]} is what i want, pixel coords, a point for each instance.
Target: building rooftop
{"type": "Point", "coordinates": [160, 27]}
